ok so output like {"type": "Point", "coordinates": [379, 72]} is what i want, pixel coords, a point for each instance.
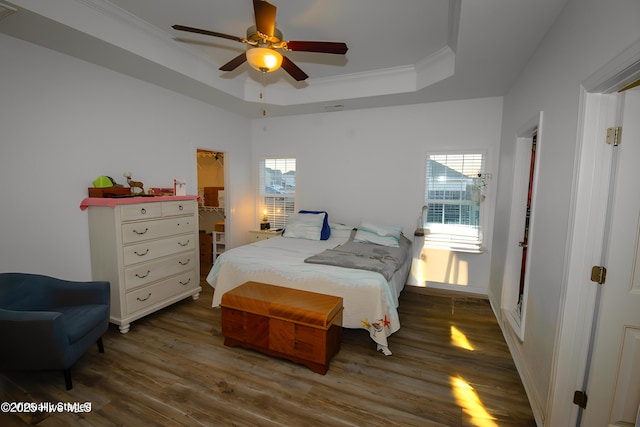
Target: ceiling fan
{"type": "Point", "coordinates": [264, 40]}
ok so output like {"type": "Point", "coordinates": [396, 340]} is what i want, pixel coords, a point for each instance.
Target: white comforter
{"type": "Point", "coordinates": [370, 302]}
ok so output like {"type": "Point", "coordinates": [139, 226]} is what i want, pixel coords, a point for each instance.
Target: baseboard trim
{"type": "Point", "coordinates": [446, 290]}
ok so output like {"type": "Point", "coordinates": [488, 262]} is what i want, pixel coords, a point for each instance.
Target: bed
{"type": "Point", "coordinates": [370, 300]}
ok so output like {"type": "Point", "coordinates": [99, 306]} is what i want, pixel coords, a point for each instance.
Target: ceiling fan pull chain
{"type": "Point", "coordinates": [262, 92]}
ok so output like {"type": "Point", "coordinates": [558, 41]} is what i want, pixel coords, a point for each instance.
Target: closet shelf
{"type": "Point", "coordinates": [210, 209]}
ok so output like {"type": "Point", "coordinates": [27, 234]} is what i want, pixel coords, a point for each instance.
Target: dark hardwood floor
{"type": "Point", "coordinates": [450, 367]}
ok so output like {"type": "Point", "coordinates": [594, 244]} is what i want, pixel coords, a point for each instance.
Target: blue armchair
{"type": "Point", "coordinates": [48, 323]}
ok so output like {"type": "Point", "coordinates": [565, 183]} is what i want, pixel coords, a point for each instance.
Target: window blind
{"type": "Point", "coordinates": [453, 196]}
{"type": "Point", "coordinates": [277, 190]}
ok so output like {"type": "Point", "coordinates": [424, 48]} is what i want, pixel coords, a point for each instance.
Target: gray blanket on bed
{"type": "Point", "coordinates": [366, 256]}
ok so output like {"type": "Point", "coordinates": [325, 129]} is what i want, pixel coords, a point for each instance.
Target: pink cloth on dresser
{"type": "Point", "coordinates": [112, 202]}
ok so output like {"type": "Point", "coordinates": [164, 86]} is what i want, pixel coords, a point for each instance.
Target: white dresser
{"type": "Point", "coordinates": [147, 248]}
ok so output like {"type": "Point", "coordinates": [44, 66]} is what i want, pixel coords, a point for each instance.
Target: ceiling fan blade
{"type": "Point", "coordinates": [293, 70]}
{"type": "Point", "coordinates": [206, 32]}
{"type": "Point", "coordinates": [338, 48]}
{"type": "Point", "coordinates": [265, 15]}
{"type": "Point", "coordinates": [234, 63]}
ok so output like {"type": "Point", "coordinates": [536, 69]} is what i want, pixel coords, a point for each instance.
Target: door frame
{"type": "Point", "coordinates": [226, 210]}
{"type": "Point", "coordinates": [599, 108]}
{"type": "Point", "coordinates": [513, 263]}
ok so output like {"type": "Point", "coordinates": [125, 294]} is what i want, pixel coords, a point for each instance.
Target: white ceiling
{"type": "Point", "coordinates": [400, 51]}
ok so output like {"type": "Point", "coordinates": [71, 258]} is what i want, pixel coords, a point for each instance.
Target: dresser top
{"type": "Point", "coordinates": [113, 202]}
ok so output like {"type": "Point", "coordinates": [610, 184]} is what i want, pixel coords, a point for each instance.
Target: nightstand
{"type": "Point", "coordinates": [257, 235]}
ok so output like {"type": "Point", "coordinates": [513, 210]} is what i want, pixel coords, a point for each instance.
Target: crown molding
{"type": "Point", "coordinates": [104, 22]}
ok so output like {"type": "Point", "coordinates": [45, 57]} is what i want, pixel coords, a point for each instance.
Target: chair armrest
{"type": "Point", "coordinates": [29, 336]}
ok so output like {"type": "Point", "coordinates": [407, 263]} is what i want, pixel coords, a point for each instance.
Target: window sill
{"type": "Point", "coordinates": [430, 241]}
{"type": "Point", "coordinates": [453, 247]}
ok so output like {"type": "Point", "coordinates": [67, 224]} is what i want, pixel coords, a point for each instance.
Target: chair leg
{"type": "Point", "coordinates": [67, 378]}
{"type": "Point", "coordinates": [67, 372]}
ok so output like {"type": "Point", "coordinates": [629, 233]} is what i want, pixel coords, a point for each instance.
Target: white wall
{"type": "Point", "coordinates": [587, 35]}
{"type": "Point", "coordinates": [371, 164]}
{"type": "Point", "coordinates": [64, 122]}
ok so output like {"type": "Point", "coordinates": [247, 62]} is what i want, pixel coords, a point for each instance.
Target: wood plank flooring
{"type": "Point", "coordinates": [450, 367]}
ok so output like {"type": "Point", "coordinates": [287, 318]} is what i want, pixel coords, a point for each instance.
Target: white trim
{"type": "Point", "coordinates": [511, 278]}
{"type": "Point", "coordinates": [617, 73]}
{"type": "Point", "coordinates": [453, 287]}
{"type": "Point", "coordinates": [585, 244]}
{"type": "Point", "coordinates": [526, 375]}
{"type": "Point", "coordinates": [586, 239]}
{"type": "Point", "coordinates": [584, 249]}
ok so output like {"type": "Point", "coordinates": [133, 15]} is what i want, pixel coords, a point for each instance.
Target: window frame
{"type": "Point", "coordinates": [445, 237]}
{"type": "Point", "coordinates": [277, 220]}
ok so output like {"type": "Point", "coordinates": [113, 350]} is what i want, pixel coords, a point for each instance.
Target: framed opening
{"type": "Point", "coordinates": [516, 277]}
{"type": "Point", "coordinates": [212, 217]}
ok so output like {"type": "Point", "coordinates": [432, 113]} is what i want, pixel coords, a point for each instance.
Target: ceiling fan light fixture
{"type": "Point", "coordinates": [264, 59]}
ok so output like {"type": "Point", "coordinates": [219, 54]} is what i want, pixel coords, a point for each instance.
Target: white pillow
{"type": "Point", "coordinates": [304, 226]}
{"type": "Point", "coordinates": [386, 235]}
{"type": "Point", "coordinates": [340, 231]}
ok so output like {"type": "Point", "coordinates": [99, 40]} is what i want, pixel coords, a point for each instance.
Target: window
{"type": "Point", "coordinates": [454, 190]}
{"type": "Point", "coordinates": [277, 190]}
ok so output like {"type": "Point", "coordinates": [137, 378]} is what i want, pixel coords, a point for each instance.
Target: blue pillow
{"type": "Point", "coordinates": [326, 230]}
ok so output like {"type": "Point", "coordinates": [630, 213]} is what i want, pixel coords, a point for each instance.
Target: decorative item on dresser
{"type": "Point", "coordinates": [147, 249]}
{"type": "Point", "coordinates": [257, 235]}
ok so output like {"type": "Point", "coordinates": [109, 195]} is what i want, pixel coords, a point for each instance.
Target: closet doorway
{"type": "Point", "coordinates": [211, 172]}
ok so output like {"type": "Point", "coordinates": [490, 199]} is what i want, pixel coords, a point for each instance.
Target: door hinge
{"type": "Point", "coordinates": [598, 274]}
{"type": "Point", "coordinates": [614, 136]}
{"type": "Point", "coordinates": [580, 399]}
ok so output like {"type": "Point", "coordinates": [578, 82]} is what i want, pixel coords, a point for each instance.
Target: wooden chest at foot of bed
{"type": "Point", "coordinates": [304, 327]}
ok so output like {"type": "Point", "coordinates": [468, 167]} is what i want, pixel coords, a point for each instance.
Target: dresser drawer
{"type": "Point", "coordinates": [153, 249]}
{"type": "Point", "coordinates": [147, 230]}
{"type": "Point", "coordinates": [147, 296]}
{"type": "Point", "coordinates": [258, 235]}
{"type": "Point", "coordinates": [140, 211]}
{"type": "Point", "coordinates": [140, 275]}
{"type": "Point", "coordinates": [178, 207]}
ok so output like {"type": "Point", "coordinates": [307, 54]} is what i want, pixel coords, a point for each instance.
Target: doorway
{"type": "Point", "coordinates": [613, 377]}
{"type": "Point", "coordinates": [212, 218]}
{"type": "Point", "coordinates": [516, 276]}
{"type": "Point", "coordinates": [575, 365]}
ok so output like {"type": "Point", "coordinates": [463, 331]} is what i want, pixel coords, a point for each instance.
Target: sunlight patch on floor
{"type": "Point", "coordinates": [471, 404]}
{"type": "Point", "coordinates": [460, 340]}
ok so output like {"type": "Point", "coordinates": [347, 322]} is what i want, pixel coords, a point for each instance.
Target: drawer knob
{"type": "Point", "coordinates": [143, 276]}
{"type": "Point", "coordinates": [185, 283]}
{"type": "Point", "coordinates": [185, 262]}
{"type": "Point", "coordinates": [141, 254]}
{"type": "Point", "coordinates": [144, 299]}
{"type": "Point", "coordinates": [180, 207]}
{"type": "Point", "coordinates": [184, 244]}
{"type": "Point", "coordinates": [143, 211]}
{"type": "Point", "coordinates": [141, 232]}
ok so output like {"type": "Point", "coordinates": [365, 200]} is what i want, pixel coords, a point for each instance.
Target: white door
{"type": "Point", "coordinates": [613, 387]}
